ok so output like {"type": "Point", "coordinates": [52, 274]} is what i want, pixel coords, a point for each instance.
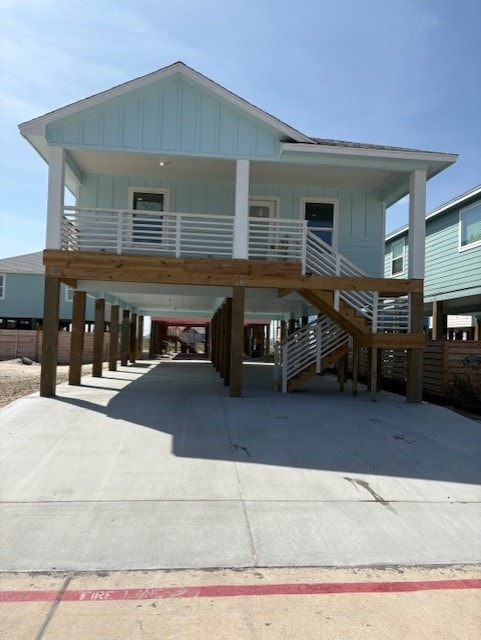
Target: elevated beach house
{"type": "Point", "coordinates": [191, 201]}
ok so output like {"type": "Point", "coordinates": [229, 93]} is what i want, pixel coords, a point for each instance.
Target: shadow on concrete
{"type": "Point", "coordinates": [317, 428]}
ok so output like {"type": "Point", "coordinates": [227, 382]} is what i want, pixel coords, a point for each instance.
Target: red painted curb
{"type": "Point", "coordinates": [227, 591]}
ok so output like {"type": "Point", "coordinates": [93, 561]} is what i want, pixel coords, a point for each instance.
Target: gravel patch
{"type": "Point", "coordinates": [18, 379]}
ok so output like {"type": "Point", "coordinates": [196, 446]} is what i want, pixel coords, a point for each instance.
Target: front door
{"type": "Point", "coordinates": [321, 219]}
{"type": "Point", "coordinates": [147, 225]}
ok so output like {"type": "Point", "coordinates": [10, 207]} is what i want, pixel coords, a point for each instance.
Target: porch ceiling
{"type": "Point", "coordinates": [196, 301]}
{"type": "Point", "coordinates": [194, 168]}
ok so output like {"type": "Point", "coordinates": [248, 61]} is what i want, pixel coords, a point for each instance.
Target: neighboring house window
{"type": "Point", "coordinates": [2, 286]}
{"type": "Point", "coordinates": [397, 257]}
{"type": "Point", "coordinates": [69, 294]}
{"type": "Point", "coordinates": [470, 227]}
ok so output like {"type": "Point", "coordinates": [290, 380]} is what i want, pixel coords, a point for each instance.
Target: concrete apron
{"type": "Point", "coordinates": [428, 603]}
{"type": "Point", "coordinates": [156, 467]}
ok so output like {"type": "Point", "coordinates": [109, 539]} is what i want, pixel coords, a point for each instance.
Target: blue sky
{"type": "Point", "coordinates": [395, 72]}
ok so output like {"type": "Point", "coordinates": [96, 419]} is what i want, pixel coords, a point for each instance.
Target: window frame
{"type": "Point", "coordinates": [471, 245]}
{"type": "Point", "coordinates": [3, 281]}
{"type": "Point", "coordinates": [403, 256]}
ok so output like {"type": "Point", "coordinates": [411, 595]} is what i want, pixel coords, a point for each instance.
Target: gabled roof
{"type": "Point", "coordinates": [451, 204]}
{"type": "Point", "coordinates": [37, 125]}
{"type": "Point", "coordinates": [27, 263]}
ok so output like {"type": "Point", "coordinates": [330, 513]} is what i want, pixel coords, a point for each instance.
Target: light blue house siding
{"type": "Point", "coordinates": [451, 272]}
{"type": "Point", "coordinates": [172, 116]}
{"type": "Point", "coordinates": [23, 298]}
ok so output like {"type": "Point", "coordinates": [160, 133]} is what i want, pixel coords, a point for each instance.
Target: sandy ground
{"type": "Point", "coordinates": [18, 379]}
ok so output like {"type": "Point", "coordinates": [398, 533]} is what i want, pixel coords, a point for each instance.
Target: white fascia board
{"type": "Point", "coordinates": [397, 233]}
{"type": "Point", "coordinates": [455, 202]}
{"type": "Point", "coordinates": [387, 154]}
{"type": "Point", "coordinates": [38, 125]}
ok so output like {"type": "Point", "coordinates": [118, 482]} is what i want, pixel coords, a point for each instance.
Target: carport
{"type": "Point", "coordinates": [156, 466]}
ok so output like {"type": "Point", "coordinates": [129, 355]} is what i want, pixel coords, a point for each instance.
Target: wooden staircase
{"type": "Point", "coordinates": [345, 317]}
{"type": "Point", "coordinates": [309, 372]}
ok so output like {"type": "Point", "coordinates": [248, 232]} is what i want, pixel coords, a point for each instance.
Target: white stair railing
{"type": "Point", "coordinates": [382, 313]}
{"type": "Point", "coordinates": [307, 347]}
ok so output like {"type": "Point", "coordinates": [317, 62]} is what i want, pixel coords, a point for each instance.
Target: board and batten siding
{"type": "Point", "coordinates": [360, 221]}
{"type": "Point", "coordinates": [172, 116]}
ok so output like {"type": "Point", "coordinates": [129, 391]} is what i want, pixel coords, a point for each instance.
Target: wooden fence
{"type": "Point", "coordinates": [451, 368]}
{"type": "Point", "coordinates": [18, 343]}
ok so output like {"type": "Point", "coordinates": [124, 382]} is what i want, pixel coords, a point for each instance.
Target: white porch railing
{"type": "Point", "coordinates": [307, 347]}
{"type": "Point", "coordinates": [274, 239]}
{"type": "Point", "coordinates": [159, 232]}
{"type": "Point", "coordinates": [178, 234]}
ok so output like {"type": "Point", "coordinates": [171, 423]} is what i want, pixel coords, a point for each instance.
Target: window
{"type": "Point", "coordinates": [2, 286]}
{"type": "Point", "coordinates": [321, 217]}
{"type": "Point", "coordinates": [147, 227]}
{"type": "Point", "coordinates": [470, 227]}
{"type": "Point", "coordinates": [397, 257]}
{"type": "Point", "coordinates": [69, 294]}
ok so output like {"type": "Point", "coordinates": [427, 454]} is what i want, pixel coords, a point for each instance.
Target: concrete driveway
{"type": "Point", "coordinates": [156, 467]}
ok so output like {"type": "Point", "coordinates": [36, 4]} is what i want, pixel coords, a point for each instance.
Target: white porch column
{"type": "Point", "coordinates": [55, 197]}
{"type": "Point", "coordinates": [241, 219]}
{"type": "Point", "coordinates": [417, 223]}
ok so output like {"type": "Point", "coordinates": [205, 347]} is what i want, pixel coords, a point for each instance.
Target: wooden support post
{"type": "Point", "coordinates": [99, 328]}
{"type": "Point", "coordinates": [140, 337]}
{"type": "Point", "coordinates": [228, 341]}
{"type": "Point", "coordinates": [48, 374]}
{"type": "Point", "coordinates": [477, 328]}
{"type": "Point", "coordinates": [77, 338]}
{"type": "Point", "coordinates": [440, 321]}
{"type": "Point", "coordinates": [237, 341]}
{"type": "Point", "coordinates": [222, 340]}
{"type": "Point", "coordinates": [355, 368]}
{"type": "Point", "coordinates": [125, 338]}
{"type": "Point", "coordinates": [133, 338]}
{"type": "Point", "coordinates": [208, 341]}
{"type": "Point", "coordinates": [414, 381]}
{"type": "Point", "coordinates": [114, 337]}
{"type": "Point", "coordinates": [373, 373]}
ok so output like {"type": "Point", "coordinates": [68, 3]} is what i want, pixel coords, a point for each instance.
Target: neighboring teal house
{"type": "Point", "coordinates": [452, 285]}
{"type": "Point", "coordinates": [192, 202]}
{"type": "Point", "coordinates": [22, 280]}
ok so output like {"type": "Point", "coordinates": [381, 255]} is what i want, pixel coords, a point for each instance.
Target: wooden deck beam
{"type": "Point", "coordinates": [68, 265]}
